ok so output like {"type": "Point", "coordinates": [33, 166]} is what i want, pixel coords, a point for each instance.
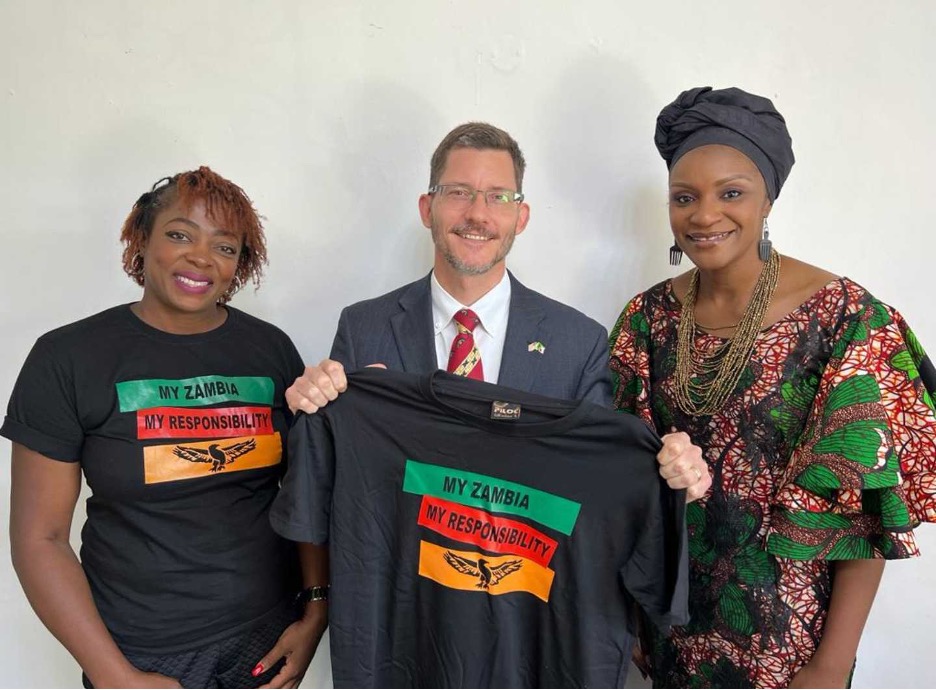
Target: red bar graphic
{"type": "Point", "coordinates": [489, 532]}
{"type": "Point", "coordinates": [218, 422]}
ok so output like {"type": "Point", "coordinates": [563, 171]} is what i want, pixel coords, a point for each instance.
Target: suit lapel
{"type": "Point", "coordinates": [413, 331]}
{"type": "Point", "coordinates": [525, 325]}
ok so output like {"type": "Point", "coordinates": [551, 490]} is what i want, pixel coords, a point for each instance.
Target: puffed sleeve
{"type": "Point", "coordinates": [863, 473]}
{"type": "Point", "coordinates": [630, 361]}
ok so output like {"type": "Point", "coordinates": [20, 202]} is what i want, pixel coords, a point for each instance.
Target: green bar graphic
{"type": "Point", "coordinates": [491, 493]}
{"type": "Point", "coordinates": [194, 392]}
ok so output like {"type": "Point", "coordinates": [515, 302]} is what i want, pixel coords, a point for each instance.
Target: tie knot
{"type": "Point", "coordinates": [467, 319]}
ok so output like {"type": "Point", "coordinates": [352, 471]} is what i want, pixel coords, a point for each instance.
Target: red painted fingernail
{"type": "Point", "coordinates": [257, 670]}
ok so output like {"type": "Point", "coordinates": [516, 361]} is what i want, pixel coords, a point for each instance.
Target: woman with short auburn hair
{"type": "Point", "coordinates": [172, 408]}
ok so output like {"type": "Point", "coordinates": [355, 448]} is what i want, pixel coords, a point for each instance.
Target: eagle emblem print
{"type": "Point", "coordinates": [487, 576]}
{"type": "Point", "coordinates": [217, 455]}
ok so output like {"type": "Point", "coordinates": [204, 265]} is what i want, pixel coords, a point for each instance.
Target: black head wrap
{"type": "Point", "coordinates": [731, 117]}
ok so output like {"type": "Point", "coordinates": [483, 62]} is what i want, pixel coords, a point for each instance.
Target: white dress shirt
{"type": "Point", "coordinates": [492, 309]}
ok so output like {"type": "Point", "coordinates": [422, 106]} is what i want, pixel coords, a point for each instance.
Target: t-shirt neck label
{"type": "Point", "coordinates": [505, 410]}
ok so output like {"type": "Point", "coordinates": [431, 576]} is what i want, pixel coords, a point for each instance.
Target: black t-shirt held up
{"type": "Point", "coordinates": [481, 536]}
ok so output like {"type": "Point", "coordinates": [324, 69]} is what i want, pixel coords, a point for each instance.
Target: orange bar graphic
{"type": "Point", "coordinates": [177, 461]}
{"type": "Point", "coordinates": [476, 572]}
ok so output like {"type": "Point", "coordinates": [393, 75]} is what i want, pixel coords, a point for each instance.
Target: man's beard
{"type": "Point", "coordinates": [461, 266]}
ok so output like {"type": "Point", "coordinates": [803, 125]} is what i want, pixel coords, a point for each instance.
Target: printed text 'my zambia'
{"type": "Point", "coordinates": [496, 495]}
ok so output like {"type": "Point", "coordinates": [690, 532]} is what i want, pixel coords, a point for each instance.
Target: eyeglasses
{"type": "Point", "coordinates": [463, 196]}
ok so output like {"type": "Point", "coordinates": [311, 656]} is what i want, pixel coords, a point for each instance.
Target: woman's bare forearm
{"type": "Point", "coordinates": [57, 589]}
{"type": "Point", "coordinates": [43, 498]}
{"type": "Point", "coordinates": [854, 586]}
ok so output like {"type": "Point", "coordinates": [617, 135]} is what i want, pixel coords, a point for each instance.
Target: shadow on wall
{"type": "Point", "coordinates": [606, 177]}
{"type": "Point", "coordinates": [366, 164]}
{"type": "Point", "coordinates": [76, 230]}
{"type": "Point", "coordinates": [104, 174]}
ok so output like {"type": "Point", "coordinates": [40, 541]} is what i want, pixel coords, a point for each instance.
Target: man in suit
{"type": "Point", "coordinates": [470, 315]}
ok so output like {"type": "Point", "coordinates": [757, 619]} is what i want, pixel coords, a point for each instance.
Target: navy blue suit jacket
{"type": "Point", "coordinates": [396, 329]}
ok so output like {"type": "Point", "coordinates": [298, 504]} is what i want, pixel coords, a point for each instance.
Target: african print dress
{"type": "Point", "coordinates": [824, 451]}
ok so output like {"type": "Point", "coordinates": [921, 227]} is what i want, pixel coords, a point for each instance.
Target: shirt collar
{"type": "Point", "coordinates": [492, 308]}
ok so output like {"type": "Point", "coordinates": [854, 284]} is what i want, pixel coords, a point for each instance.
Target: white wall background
{"type": "Point", "coordinates": [327, 113]}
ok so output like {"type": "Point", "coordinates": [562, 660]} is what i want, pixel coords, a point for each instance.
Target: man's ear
{"type": "Point", "coordinates": [425, 209]}
{"type": "Point", "coordinates": [523, 218]}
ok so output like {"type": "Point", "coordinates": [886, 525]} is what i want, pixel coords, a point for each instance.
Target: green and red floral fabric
{"type": "Point", "coordinates": [826, 450]}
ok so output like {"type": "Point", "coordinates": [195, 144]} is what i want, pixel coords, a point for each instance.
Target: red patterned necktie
{"type": "Point", "coordinates": [464, 358]}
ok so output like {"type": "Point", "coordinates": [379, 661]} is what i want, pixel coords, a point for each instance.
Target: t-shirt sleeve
{"type": "Point", "coordinates": [292, 368]}
{"type": "Point", "coordinates": [42, 413]}
{"type": "Point", "coordinates": [302, 508]}
{"type": "Point", "coordinates": [657, 574]}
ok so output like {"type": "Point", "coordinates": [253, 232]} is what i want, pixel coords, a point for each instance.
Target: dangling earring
{"type": "Point", "coordinates": [136, 265]}
{"type": "Point", "coordinates": [675, 255]}
{"type": "Point", "coordinates": [765, 245]}
{"type": "Point", "coordinates": [236, 284]}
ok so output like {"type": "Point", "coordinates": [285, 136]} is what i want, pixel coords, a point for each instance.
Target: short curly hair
{"type": "Point", "coordinates": [225, 203]}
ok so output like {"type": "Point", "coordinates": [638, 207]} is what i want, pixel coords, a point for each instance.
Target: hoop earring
{"type": "Point", "coordinates": [675, 255]}
{"type": "Point", "coordinates": [765, 246]}
{"type": "Point", "coordinates": [236, 284]}
{"type": "Point", "coordinates": [136, 264]}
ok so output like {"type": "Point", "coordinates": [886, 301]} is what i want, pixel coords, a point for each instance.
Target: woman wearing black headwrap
{"type": "Point", "coordinates": [812, 400]}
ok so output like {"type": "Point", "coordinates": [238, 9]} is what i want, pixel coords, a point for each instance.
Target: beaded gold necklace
{"type": "Point", "coordinates": [704, 380]}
